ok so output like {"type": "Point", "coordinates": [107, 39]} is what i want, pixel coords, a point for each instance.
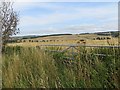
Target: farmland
{"type": "Point", "coordinates": [59, 44]}
{"type": "Point", "coordinates": [28, 66]}
{"type": "Point", "coordinates": [89, 39]}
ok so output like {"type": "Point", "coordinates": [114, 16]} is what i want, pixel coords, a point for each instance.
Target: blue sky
{"type": "Point", "coordinates": [43, 18]}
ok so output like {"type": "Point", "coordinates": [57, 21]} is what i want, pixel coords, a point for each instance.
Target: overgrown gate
{"type": "Point", "coordinates": [74, 49]}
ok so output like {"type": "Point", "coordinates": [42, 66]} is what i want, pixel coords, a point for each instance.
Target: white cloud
{"type": "Point", "coordinates": [107, 15]}
{"type": "Point", "coordinates": [101, 14]}
{"type": "Point", "coordinates": [92, 27]}
{"type": "Point", "coordinates": [75, 29]}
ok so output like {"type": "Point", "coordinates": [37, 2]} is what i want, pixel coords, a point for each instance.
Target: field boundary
{"type": "Point", "coordinates": [76, 45]}
{"type": "Point", "coordinates": [73, 46]}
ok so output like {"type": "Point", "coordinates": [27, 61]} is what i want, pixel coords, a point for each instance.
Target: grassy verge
{"type": "Point", "coordinates": [31, 67]}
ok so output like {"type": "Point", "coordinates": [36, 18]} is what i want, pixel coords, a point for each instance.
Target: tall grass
{"type": "Point", "coordinates": [28, 67]}
{"type": "Point", "coordinates": [32, 67]}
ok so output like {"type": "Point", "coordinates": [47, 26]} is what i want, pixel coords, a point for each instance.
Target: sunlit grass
{"type": "Point", "coordinates": [25, 67]}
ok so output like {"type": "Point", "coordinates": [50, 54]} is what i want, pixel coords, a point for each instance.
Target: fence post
{"type": "Point", "coordinates": [72, 52]}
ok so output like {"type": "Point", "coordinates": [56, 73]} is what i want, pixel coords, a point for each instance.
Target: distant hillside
{"type": "Point", "coordinates": [112, 33]}
{"type": "Point", "coordinates": [36, 36]}
{"type": "Point", "coordinates": [54, 35]}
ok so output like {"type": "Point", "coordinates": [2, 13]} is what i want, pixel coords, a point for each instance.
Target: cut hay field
{"type": "Point", "coordinates": [89, 39]}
